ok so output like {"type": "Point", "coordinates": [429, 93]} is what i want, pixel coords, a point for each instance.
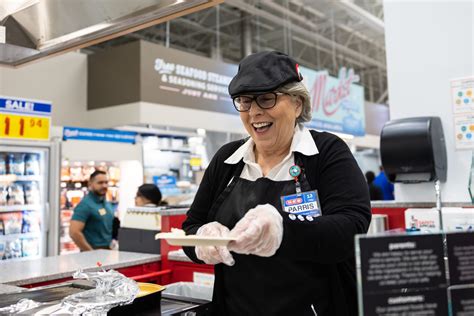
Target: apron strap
{"type": "Point", "coordinates": [211, 215]}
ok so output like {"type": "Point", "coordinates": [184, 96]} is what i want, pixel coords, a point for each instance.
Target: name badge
{"type": "Point", "coordinates": [102, 211]}
{"type": "Point", "coordinates": [303, 205]}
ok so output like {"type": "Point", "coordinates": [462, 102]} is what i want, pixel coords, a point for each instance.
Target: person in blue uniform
{"type": "Point", "coordinates": [293, 198]}
{"type": "Point", "coordinates": [92, 222]}
{"type": "Point", "coordinates": [386, 186]}
{"type": "Point", "coordinates": [375, 192]}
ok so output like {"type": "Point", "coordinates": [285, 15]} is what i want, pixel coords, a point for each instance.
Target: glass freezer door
{"type": "Point", "coordinates": [23, 201]}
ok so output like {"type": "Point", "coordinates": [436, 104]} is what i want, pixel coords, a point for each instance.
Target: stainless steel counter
{"type": "Point", "coordinates": [178, 255]}
{"type": "Point", "coordinates": [5, 289]}
{"type": "Point", "coordinates": [176, 211]}
{"type": "Point", "coordinates": [395, 204]}
{"type": "Point", "coordinates": [59, 267]}
{"type": "Point", "coordinates": [161, 210]}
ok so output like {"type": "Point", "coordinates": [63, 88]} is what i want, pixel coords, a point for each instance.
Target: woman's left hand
{"type": "Point", "coordinates": [259, 232]}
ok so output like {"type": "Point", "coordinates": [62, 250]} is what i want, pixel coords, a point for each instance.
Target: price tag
{"type": "Point", "coordinates": [24, 119]}
{"type": "Point", "coordinates": [24, 126]}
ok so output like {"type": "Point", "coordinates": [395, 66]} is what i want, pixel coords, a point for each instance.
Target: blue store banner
{"type": "Point", "coordinates": [338, 103]}
{"type": "Point", "coordinates": [101, 135]}
{"type": "Point", "coordinates": [165, 181]}
{"type": "Point", "coordinates": [166, 184]}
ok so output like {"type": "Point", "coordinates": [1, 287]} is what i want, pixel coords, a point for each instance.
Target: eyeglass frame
{"type": "Point", "coordinates": [254, 98]}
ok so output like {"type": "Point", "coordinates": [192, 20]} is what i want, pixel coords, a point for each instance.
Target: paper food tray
{"type": "Point", "coordinates": [193, 240]}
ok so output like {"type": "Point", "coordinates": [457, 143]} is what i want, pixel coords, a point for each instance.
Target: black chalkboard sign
{"type": "Point", "coordinates": [461, 257]}
{"type": "Point", "coordinates": [397, 262]}
{"type": "Point", "coordinates": [462, 300]}
{"type": "Point", "coordinates": [420, 302]}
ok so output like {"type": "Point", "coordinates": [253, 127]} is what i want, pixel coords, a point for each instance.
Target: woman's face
{"type": "Point", "coordinates": [140, 200]}
{"type": "Point", "coordinates": [272, 129]}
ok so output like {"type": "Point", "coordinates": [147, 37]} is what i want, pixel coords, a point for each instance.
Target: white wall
{"type": "Point", "coordinates": [158, 114]}
{"type": "Point", "coordinates": [367, 162]}
{"type": "Point", "coordinates": [84, 150]}
{"type": "Point", "coordinates": [131, 175]}
{"type": "Point", "coordinates": [60, 79]}
{"type": "Point", "coordinates": [428, 43]}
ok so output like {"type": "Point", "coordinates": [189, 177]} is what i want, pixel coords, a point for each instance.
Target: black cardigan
{"type": "Point", "coordinates": [345, 205]}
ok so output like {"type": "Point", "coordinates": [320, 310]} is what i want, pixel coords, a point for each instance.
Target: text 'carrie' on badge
{"type": "Point", "coordinates": [305, 204]}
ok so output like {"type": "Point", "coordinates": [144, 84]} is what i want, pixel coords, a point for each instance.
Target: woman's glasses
{"type": "Point", "coordinates": [242, 103]}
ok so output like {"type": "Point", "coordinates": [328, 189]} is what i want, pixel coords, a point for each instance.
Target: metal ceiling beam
{"type": "Point", "coordinates": [382, 97]}
{"type": "Point", "coordinates": [328, 51]}
{"type": "Point", "coordinates": [305, 32]}
{"type": "Point", "coordinates": [366, 17]}
{"type": "Point", "coordinates": [316, 27]}
{"type": "Point", "coordinates": [338, 25]}
{"type": "Point", "coordinates": [204, 29]}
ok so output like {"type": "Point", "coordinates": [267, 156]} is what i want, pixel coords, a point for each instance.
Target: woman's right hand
{"type": "Point", "coordinates": [212, 254]}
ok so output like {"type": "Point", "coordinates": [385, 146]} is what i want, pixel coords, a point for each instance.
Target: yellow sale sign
{"type": "Point", "coordinates": [24, 126]}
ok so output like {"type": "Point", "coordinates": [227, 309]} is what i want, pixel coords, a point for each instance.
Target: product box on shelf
{"type": "Point", "coordinates": [20, 164]}
{"type": "Point", "coordinates": [427, 220]}
{"type": "Point", "coordinates": [31, 222]}
{"type": "Point", "coordinates": [12, 222]}
{"type": "Point", "coordinates": [458, 219]}
{"type": "Point", "coordinates": [422, 219]}
{"type": "Point", "coordinates": [30, 247]}
{"type": "Point", "coordinates": [12, 249]}
{"type": "Point", "coordinates": [3, 245]}
{"type": "Point", "coordinates": [32, 193]}
{"type": "Point", "coordinates": [16, 194]}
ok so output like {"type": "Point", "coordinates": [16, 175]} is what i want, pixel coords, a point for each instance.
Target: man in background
{"type": "Point", "coordinates": [374, 191]}
{"type": "Point", "coordinates": [92, 221]}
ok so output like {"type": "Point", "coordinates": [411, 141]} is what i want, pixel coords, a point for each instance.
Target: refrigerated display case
{"type": "Point", "coordinates": [29, 175]}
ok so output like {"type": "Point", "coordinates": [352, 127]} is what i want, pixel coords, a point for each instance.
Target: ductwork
{"type": "Point", "coordinates": [38, 28]}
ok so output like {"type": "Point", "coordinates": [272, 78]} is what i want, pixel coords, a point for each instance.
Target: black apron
{"type": "Point", "coordinates": [276, 285]}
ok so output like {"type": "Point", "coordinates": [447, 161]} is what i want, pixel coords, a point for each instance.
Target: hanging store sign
{"type": "Point", "coordinates": [24, 119]}
{"type": "Point", "coordinates": [165, 181]}
{"type": "Point", "coordinates": [182, 79]}
{"type": "Point", "coordinates": [101, 135]}
{"type": "Point", "coordinates": [146, 72]}
{"type": "Point", "coordinates": [338, 103]}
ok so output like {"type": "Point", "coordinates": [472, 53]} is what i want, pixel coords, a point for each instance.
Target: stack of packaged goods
{"type": "Point", "coordinates": [20, 203]}
{"type": "Point", "coordinates": [74, 180]}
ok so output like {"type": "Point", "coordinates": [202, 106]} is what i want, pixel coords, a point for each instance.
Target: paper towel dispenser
{"type": "Point", "coordinates": [413, 150]}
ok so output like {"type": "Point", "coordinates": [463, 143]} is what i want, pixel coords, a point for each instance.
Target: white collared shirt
{"type": "Point", "coordinates": [302, 142]}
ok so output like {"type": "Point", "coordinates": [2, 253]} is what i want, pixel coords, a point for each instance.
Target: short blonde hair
{"type": "Point", "coordinates": [298, 89]}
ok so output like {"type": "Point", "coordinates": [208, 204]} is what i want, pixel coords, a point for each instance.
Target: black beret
{"type": "Point", "coordinates": [264, 72]}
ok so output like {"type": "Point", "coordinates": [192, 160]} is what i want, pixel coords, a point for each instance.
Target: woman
{"type": "Point", "coordinates": [148, 195]}
{"type": "Point", "coordinates": [287, 259]}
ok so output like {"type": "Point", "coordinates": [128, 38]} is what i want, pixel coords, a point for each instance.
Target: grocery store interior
{"type": "Point", "coordinates": [137, 92]}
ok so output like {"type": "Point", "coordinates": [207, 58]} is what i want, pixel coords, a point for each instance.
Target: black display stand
{"type": "Point", "coordinates": [406, 274]}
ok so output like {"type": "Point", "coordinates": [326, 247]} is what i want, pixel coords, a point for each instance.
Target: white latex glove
{"type": "Point", "coordinates": [212, 254]}
{"type": "Point", "coordinates": [114, 245]}
{"type": "Point", "coordinates": [259, 232]}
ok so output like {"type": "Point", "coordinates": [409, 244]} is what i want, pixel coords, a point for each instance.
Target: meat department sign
{"type": "Point", "coordinates": [338, 103]}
